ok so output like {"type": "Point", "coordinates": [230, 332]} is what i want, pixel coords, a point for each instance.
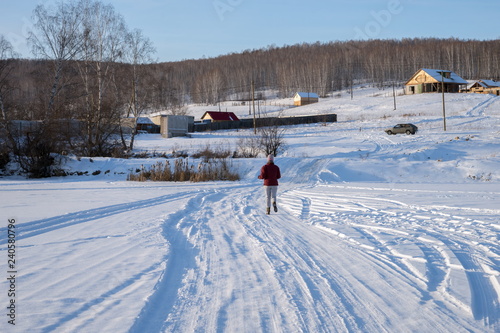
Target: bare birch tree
{"type": "Point", "coordinates": [103, 32]}
{"type": "Point", "coordinates": [56, 36]}
{"type": "Point", "coordinates": [138, 53]}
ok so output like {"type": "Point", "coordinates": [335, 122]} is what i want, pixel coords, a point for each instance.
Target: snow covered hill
{"type": "Point", "coordinates": [374, 233]}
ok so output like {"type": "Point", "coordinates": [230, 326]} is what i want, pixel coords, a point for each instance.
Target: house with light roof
{"type": "Point", "coordinates": [434, 80]}
{"type": "Point", "coordinates": [486, 87]}
{"type": "Point", "coordinates": [304, 98]}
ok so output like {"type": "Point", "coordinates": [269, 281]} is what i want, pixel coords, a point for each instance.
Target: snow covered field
{"type": "Point", "coordinates": [374, 233]}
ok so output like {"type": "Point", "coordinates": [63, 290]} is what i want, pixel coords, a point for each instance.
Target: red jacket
{"type": "Point", "coordinates": [270, 173]}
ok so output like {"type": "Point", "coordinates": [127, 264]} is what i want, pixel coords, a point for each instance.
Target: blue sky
{"type": "Point", "coordinates": [192, 29]}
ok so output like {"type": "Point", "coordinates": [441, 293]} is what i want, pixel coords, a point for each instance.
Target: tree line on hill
{"type": "Point", "coordinates": [323, 68]}
{"type": "Point", "coordinates": [91, 73]}
{"type": "Point", "coordinates": [326, 67]}
{"type": "Point", "coordinates": [320, 67]}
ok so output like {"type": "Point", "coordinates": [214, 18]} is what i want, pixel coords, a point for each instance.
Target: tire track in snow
{"type": "Point", "coordinates": [214, 277]}
{"type": "Point", "coordinates": [249, 272]}
{"type": "Point", "coordinates": [252, 300]}
{"type": "Point", "coordinates": [306, 208]}
{"type": "Point", "coordinates": [410, 225]}
{"type": "Point", "coordinates": [485, 301]}
{"type": "Point", "coordinates": [477, 113]}
{"type": "Point", "coordinates": [479, 109]}
{"type": "Point", "coordinates": [315, 300]}
{"type": "Point", "coordinates": [436, 266]}
{"type": "Point", "coordinates": [35, 228]}
{"type": "Point", "coordinates": [233, 268]}
{"type": "Point", "coordinates": [116, 286]}
{"type": "Point", "coordinates": [77, 320]}
{"type": "Point", "coordinates": [313, 271]}
{"type": "Point", "coordinates": [180, 258]}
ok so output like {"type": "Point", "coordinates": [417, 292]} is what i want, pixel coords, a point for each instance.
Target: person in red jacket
{"type": "Point", "coordinates": [270, 173]}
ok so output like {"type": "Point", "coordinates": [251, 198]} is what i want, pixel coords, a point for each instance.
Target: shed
{"type": "Point", "coordinates": [486, 87]}
{"type": "Point", "coordinates": [304, 98]}
{"type": "Point", "coordinates": [216, 116]}
{"type": "Point", "coordinates": [174, 126]}
{"type": "Point", "coordinates": [431, 80]}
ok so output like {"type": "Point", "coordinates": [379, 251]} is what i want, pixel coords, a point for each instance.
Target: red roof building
{"type": "Point", "coordinates": [215, 116]}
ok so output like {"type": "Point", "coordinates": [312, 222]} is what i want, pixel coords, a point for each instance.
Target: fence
{"type": "Point", "coordinates": [262, 122]}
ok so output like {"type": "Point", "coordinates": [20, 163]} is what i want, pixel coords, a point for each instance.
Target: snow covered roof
{"type": "Point", "coordinates": [307, 95]}
{"type": "Point", "coordinates": [488, 83]}
{"type": "Point", "coordinates": [144, 121]}
{"type": "Point", "coordinates": [436, 74]}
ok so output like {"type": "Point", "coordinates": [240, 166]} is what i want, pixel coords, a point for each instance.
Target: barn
{"type": "Point", "coordinates": [216, 116]}
{"type": "Point", "coordinates": [432, 80]}
{"type": "Point", "coordinates": [304, 98]}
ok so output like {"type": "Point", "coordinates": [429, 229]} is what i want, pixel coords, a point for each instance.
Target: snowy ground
{"type": "Point", "coordinates": [374, 233]}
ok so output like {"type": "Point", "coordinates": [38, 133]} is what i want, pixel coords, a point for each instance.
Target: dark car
{"type": "Point", "coordinates": [402, 128]}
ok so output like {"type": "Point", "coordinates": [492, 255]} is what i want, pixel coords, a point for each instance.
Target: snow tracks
{"type": "Point", "coordinates": [447, 256]}
{"type": "Point", "coordinates": [324, 263]}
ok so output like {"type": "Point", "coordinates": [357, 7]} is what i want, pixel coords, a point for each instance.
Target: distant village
{"type": "Point", "coordinates": [423, 81]}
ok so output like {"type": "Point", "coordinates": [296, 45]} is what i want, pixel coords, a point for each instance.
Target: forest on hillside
{"type": "Point", "coordinates": [324, 67]}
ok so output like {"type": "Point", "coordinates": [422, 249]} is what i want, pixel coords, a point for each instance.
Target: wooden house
{"type": "Point", "coordinates": [432, 80]}
{"type": "Point", "coordinates": [215, 116]}
{"type": "Point", "coordinates": [304, 98]}
{"type": "Point", "coordinates": [486, 87]}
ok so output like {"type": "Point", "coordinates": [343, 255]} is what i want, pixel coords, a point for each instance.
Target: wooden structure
{"type": "Point", "coordinates": [305, 98]}
{"type": "Point", "coordinates": [215, 116]}
{"type": "Point", "coordinates": [174, 126]}
{"type": "Point", "coordinates": [432, 80]}
{"type": "Point", "coordinates": [145, 124]}
{"type": "Point", "coordinates": [486, 87]}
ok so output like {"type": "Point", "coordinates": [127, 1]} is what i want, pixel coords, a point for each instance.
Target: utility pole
{"type": "Point", "coordinates": [253, 106]}
{"type": "Point", "coordinates": [249, 105]}
{"type": "Point", "coordinates": [444, 108]}
{"type": "Point", "coordinates": [394, 94]}
{"type": "Point", "coordinates": [352, 94]}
